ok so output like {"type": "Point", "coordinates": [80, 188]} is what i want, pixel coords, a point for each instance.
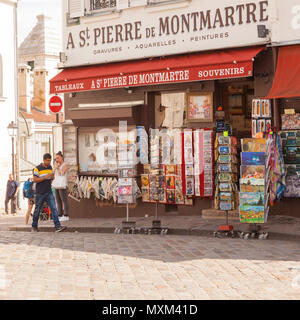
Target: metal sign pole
{"type": "Point", "coordinates": [127, 212]}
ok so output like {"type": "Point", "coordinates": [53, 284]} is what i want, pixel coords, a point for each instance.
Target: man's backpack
{"type": "Point", "coordinates": [27, 189]}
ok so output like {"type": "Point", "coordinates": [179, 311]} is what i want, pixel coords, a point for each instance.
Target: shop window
{"type": "Point", "coordinates": [98, 149]}
{"type": "Point", "coordinates": [237, 104]}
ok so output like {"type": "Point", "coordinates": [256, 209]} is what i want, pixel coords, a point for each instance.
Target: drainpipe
{"type": "Point", "coordinates": [17, 97]}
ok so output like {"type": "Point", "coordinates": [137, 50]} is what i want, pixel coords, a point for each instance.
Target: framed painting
{"type": "Point", "coordinates": [200, 107]}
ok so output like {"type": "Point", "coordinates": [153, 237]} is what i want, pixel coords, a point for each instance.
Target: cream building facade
{"type": "Point", "coordinates": [38, 58]}
{"type": "Point", "coordinates": [8, 87]}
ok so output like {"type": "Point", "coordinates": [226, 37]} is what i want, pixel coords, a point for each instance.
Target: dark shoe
{"type": "Point", "coordinates": [60, 229]}
{"type": "Point", "coordinates": [34, 229]}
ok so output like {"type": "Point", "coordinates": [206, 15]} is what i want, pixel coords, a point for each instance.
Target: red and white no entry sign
{"type": "Point", "coordinates": [55, 104]}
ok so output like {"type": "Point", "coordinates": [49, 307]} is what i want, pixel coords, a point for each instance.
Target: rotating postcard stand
{"type": "Point", "coordinates": [126, 181]}
{"type": "Point", "coordinates": [257, 161]}
{"type": "Point", "coordinates": [226, 178]}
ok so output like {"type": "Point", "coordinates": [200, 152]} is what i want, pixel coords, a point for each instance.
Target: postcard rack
{"type": "Point", "coordinates": [256, 159]}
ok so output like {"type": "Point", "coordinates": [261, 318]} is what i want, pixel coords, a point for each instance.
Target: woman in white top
{"type": "Point", "coordinates": [61, 195]}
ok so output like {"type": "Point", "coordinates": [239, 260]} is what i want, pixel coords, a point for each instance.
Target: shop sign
{"type": "Point", "coordinates": [238, 70]}
{"type": "Point", "coordinates": [150, 31]}
{"type": "Point", "coordinates": [287, 21]}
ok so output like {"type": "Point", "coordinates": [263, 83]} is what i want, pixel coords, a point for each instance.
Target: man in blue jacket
{"type": "Point", "coordinates": [11, 194]}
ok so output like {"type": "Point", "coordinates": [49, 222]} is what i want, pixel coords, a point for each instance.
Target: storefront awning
{"type": "Point", "coordinates": [235, 63]}
{"type": "Point", "coordinates": [287, 77]}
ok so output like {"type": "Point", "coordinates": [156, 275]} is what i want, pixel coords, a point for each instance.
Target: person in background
{"type": "Point", "coordinates": [42, 176]}
{"type": "Point", "coordinates": [31, 200]}
{"type": "Point", "coordinates": [11, 194]}
{"type": "Point", "coordinates": [61, 195]}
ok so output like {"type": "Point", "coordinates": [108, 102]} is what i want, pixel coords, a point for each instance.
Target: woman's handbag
{"type": "Point", "coordinates": [60, 182]}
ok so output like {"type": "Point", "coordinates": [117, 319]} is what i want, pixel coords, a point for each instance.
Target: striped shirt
{"type": "Point", "coordinates": [44, 186]}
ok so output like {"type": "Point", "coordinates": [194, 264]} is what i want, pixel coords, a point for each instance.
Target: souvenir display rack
{"type": "Point", "coordinates": [226, 172]}
{"type": "Point", "coordinates": [290, 146]}
{"type": "Point", "coordinates": [256, 162]}
{"type": "Point", "coordinates": [226, 177]}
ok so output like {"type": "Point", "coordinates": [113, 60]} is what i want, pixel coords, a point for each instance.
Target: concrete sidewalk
{"type": "Point", "coordinates": [278, 227]}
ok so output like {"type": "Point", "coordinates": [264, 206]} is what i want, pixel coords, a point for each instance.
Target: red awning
{"type": "Point", "coordinates": [287, 77]}
{"type": "Point", "coordinates": [233, 63]}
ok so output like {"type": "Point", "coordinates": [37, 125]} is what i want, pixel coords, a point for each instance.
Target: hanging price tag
{"type": "Point", "coordinates": [225, 133]}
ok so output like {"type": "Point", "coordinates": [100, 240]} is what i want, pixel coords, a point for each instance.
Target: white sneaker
{"type": "Point", "coordinates": [63, 218]}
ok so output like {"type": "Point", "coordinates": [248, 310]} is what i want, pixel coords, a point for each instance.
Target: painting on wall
{"type": "Point", "coordinates": [200, 107]}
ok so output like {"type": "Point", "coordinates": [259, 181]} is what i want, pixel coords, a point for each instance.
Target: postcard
{"type": "Point", "coordinates": [170, 182]}
{"type": "Point", "coordinates": [208, 192]}
{"type": "Point", "coordinates": [161, 182]}
{"type": "Point", "coordinates": [153, 195]}
{"type": "Point", "coordinates": [153, 181]}
{"type": "Point", "coordinates": [225, 205]}
{"type": "Point", "coordinates": [254, 129]}
{"type": "Point", "coordinates": [188, 156]}
{"type": "Point", "coordinates": [251, 188]}
{"type": "Point", "coordinates": [225, 186]}
{"type": "Point", "coordinates": [254, 145]}
{"type": "Point", "coordinates": [171, 169]}
{"type": "Point", "coordinates": [188, 138]}
{"type": "Point", "coordinates": [162, 195]}
{"type": "Point", "coordinates": [225, 177]}
{"type": "Point", "coordinates": [252, 172]}
{"type": "Point", "coordinates": [224, 150]}
{"type": "Point", "coordinates": [248, 199]}
{"type": "Point", "coordinates": [224, 168]}
{"type": "Point", "coordinates": [225, 196]}
{"type": "Point", "coordinates": [189, 170]}
{"type": "Point", "coordinates": [145, 195]}
{"type": "Point", "coordinates": [253, 158]}
{"type": "Point", "coordinates": [123, 199]}
{"type": "Point", "coordinates": [125, 182]}
{"type": "Point", "coordinates": [125, 190]}
{"type": "Point", "coordinates": [179, 198]}
{"type": "Point", "coordinates": [145, 181]}
{"type": "Point", "coordinates": [253, 182]}
{"type": "Point", "coordinates": [189, 186]}
{"type": "Point", "coordinates": [224, 140]}
{"type": "Point", "coordinates": [171, 196]}
{"type": "Point", "coordinates": [224, 158]}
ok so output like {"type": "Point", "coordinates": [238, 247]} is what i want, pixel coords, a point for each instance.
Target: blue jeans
{"type": "Point", "coordinates": [39, 200]}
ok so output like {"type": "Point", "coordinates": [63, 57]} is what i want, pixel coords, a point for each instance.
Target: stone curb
{"type": "Point", "coordinates": [171, 231]}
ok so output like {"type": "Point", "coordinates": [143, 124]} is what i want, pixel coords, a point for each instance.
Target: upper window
{"type": "Point", "coordinates": [102, 4]}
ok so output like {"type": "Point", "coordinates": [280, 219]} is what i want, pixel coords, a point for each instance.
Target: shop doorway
{"type": "Point", "coordinates": [237, 102]}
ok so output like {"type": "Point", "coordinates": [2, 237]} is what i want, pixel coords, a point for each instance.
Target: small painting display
{"type": "Point", "coordinates": [253, 158]}
{"type": "Point", "coordinates": [252, 207]}
{"type": "Point", "coordinates": [252, 172]}
{"type": "Point", "coordinates": [254, 145]}
{"type": "Point", "coordinates": [200, 107]}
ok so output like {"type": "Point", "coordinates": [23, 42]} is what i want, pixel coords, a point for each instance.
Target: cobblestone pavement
{"type": "Point", "coordinates": [107, 266]}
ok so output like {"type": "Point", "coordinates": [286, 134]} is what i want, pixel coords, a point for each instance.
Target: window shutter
{"type": "Point", "coordinates": [137, 3]}
{"type": "Point", "coordinates": [122, 4]}
{"type": "Point", "coordinates": [76, 8]}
